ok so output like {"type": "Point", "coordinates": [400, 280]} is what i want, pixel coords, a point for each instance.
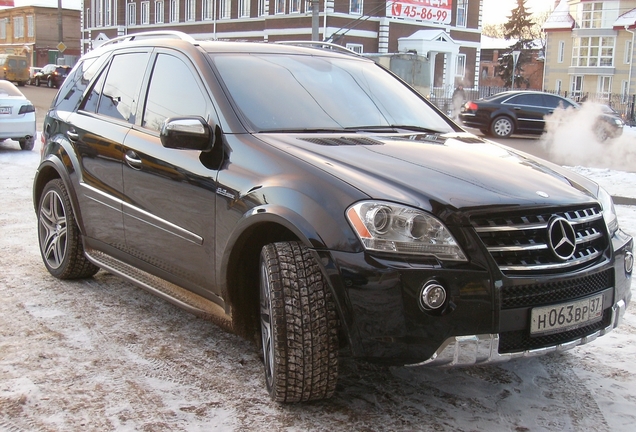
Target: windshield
{"type": "Point", "coordinates": [311, 93]}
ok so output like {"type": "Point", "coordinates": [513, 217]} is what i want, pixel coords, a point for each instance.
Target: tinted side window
{"type": "Point", "coordinates": [121, 88]}
{"type": "Point", "coordinates": [527, 99]}
{"type": "Point", "coordinates": [74, 86]}
{"type": "Point", "coordinates": [165, 99]}
{"type": "Point", "coordinates": [555, 102]}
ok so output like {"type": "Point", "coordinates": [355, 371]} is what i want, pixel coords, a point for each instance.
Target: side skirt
{"type": "Point", "coordinates": [175, 294]}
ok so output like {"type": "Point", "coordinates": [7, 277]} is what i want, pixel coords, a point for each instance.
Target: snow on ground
{"type": "Point", "coordinates": [101, 355]}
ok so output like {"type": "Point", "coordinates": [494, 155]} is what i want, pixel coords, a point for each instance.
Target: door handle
{"type": "Point", "coordinates": [73, 136]}
{"type": "Point", "coordinates": [133, 160]}
{"type": "Point", "coordinates": [517, 109]}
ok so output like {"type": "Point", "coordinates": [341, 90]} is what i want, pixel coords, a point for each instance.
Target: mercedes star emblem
{"type": "Point", "coordinates": [562, 238]}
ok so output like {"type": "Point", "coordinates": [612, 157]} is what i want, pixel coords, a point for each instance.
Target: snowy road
{"type": "Point", "coordinates": [101, 355]}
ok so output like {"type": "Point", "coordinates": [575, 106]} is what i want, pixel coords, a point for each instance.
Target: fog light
{"type": "Point", "coordinates": [433, 296]}
{"type": "Point", "coordinates": [629, 262]}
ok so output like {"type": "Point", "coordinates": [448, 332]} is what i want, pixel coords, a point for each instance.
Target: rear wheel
{"type": "Point", "coordinates": [27, 144]}
{"type": "Point", "coordinates": [502, 127]}
{"type": "Point", "coordinates": [299, 325]}
{"type": "Point", "coordinates": [59, 237]}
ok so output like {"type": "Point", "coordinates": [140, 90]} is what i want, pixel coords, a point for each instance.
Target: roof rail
{"type": "Point", "coordinates": [168, 34]}
{"type": "Point", "coordinates": [319, 44]}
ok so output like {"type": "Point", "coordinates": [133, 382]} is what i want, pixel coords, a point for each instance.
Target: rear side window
{"type": "Point", "coordinates": [74, 86]}
{"type": "Point", "coordinates": [118, 97]}
{"type": "Point", "coordinates": [555, 102]}
{"type": "Point", "coordinates": [527, 99]}
{"type": "Point", "coordinates": [165, 99]}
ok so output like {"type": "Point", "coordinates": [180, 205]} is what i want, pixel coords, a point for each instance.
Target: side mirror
{"type": "Point", "coordinates": [187, 133]}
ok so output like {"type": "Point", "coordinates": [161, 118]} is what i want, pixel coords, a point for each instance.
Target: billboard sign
{"type": "Point", "coordinates": [434, 11]}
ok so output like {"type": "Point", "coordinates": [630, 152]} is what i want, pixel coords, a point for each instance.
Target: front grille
{"type": "Point", "coordinates": [519, 241]}
{"type": "Point", "coordinates": [520, 340]}
{"type": "Point", "coordinates": [555, 292]}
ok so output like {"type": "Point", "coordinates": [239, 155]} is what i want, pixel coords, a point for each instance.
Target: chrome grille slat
{"type": "Point", "coordinates": [519, 242]}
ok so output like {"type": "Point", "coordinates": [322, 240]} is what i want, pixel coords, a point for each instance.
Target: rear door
{"type": "Point", "coordinates": [169, 207]}
{"type": "Point", "coordinates": [97, 130]}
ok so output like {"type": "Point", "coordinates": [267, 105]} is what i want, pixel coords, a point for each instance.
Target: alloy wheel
{"type": "Point", "coordinates": [53, 229]}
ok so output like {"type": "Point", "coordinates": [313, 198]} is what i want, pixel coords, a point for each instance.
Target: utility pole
{"type": "Point", "coordinates": [60, 32]}
{"type": "Point", "coordinates": [315, 15]}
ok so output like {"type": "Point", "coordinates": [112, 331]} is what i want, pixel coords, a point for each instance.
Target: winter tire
{"type": "Point", "coordinates": [59, 237]}
{"type": "Point", "coordinates": [299, 325]}
{"type": "Point", "coordinates": [502, 127]}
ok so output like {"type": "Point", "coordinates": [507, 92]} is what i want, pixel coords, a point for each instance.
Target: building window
{"type": "Point", "coordinates": [576, 85]}
{"type": "Point", "coordinates": [591, 15]}
{"type": "Point", "coordinates": [627, 59]}
{"type": "Point", "coordinates": [174, 10]}
{"type": "Point", "coordinates": [593, 51]}
{"type": "Point", "coordinates": [561, 53]}
{"type": "Point", "coordinates": [190, 10]}
{"type": "Point", "coordinates": [208, 10]}
{"type": "Point", "coordinates": [462, 11]}
{"type": "Point", "coordinates": [624, 91]}
{"type": "Point", "coordinates": [145, 12]}
{"type": "Point", "coordinates": [279, 7]}
{"type": "Point", "coordinates": [18, 27]}
{"type": "Point", "coordinates": [131, 10]}
{"type": "Point", "coordinates": [244, 8]}
{"type": "Point", "coordinates": [3, 28]}
{"type": "Point", "coordinates": [225, 9]}
{"type": "Point", "coordinates": [357, 48]}
{"type": "Point", "coordinates": [294, 6]}
{"type": "Point", "coordinates": [159, 12]}
{"type": "Point", "coordinates": [261, 7]}
{"type": "Point", "coordinates": [107, 15]}
{"type": "Point", "coordinates": [30, 28]}
{"type": "Point", "coordinates": [558, 86]}
{"type": "Point", "coordinates": [460, 66]}
{"type": "Point", "coordinates": [355, 7]}
{"type": "Point", "coordinates": [604, 86]}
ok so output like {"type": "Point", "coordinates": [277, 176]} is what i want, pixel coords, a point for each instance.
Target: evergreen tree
{"type": "Point", "coordinates": [518, 27]}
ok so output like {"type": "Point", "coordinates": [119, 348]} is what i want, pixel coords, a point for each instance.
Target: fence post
{"type": "Point", "coordinates": [632, 120]}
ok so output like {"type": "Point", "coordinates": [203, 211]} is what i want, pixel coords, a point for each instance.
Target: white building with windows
{"type": "Point", "coordinates": [590, 48]}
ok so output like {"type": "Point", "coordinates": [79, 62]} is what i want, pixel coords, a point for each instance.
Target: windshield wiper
{"type": "Point", "coordinates": [416, 128]}
{"type": "Point", "coordinates": [306, 130]}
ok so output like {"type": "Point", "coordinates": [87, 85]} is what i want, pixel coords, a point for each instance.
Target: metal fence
{"type": "Point", "coordinates": [624, 105]}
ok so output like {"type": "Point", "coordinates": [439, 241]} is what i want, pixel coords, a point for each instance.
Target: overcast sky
{"type": "Point", "coordinates": [494, 11]}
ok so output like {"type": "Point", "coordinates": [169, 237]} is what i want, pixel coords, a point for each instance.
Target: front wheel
{"type": "Point", "coordinates": [502, 127]}
{"type": "Point", "coordinates": [59, 237]}
{"type": "Point", "coordinates": [299, 325]}
{"type": "Point", "coordinates": [49, 83]}
{"type": "Point", "coordinates": [37, 82]}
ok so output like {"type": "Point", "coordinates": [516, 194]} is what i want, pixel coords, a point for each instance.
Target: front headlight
{"type": "Point", "coordinates": [387, 227]}
{"type": "Point", "coordinates": [609, 212]}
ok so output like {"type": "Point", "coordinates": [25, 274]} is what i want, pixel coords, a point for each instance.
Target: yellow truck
{"type": "Point", "coordinates": [14, 68]}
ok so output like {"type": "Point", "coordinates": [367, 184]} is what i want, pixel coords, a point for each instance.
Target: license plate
{"type": "Point", "coordinates": [566, 316]}
{"type": "Point", "coordinates": [5, 110]}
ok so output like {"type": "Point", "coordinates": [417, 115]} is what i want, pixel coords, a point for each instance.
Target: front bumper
{"type": "Point", "coordinates": [378, 301]}
{"type": "Point", "coordinates": [484, 349]}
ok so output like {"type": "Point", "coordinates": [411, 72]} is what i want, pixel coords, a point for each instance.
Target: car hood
{"type": "Point", "coordinates": [457, 170]}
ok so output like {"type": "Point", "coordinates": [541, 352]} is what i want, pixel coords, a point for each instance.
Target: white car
{"type": "Point", "coordinates": [17, 116]}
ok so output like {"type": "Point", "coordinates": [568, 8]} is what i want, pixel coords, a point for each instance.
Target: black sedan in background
{"type": "Point", "coordinates": [524, 112]}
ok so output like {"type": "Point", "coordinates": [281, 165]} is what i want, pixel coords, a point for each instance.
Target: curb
{"type": "Point", "coordinates": [619, 200]}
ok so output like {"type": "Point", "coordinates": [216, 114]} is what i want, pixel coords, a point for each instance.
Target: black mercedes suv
{"type": "Point", "coordinates": [306, 198]}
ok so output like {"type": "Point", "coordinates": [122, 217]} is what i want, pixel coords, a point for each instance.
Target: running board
{"type": "Point", "coordinates": [176, 295]}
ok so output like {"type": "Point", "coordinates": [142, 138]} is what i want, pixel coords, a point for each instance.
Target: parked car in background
{"type": "Point", "coordinates": [14, 68]}
{"type": "Point", "coordinates": [307, 199]}
{"type": "Point", "coordinates": [17, 116]}
{"type": "Point", "coordinates": [524, 112]}
{"type": "Point", "coordinates": [52, 75]}
{"type": "Point", "coordinates": [32, 72]}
